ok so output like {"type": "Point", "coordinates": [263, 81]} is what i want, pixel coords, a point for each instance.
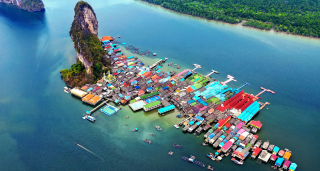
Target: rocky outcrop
{"type": "Point", "coordinates": [29, 5]}
{"type": "Point", "coordinates": [91, 57]}
{"type": "Point", "coordinates": [84, 29]}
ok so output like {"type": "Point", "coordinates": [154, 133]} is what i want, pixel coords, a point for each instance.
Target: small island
{"type": "Point", "coordinates": [91, 57]}
{"type": "Point", "coordinates": [29, 5]}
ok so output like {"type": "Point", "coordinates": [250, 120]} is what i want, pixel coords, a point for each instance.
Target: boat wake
{"type": "Point", "coordinates": [90, 151]}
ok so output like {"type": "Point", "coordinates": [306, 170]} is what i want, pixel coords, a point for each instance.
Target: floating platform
{"type": "Point", "coordinates": [110, 110]}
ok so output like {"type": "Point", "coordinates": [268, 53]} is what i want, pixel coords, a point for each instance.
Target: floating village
{"type": "Point", "coordinates": [224, 115]}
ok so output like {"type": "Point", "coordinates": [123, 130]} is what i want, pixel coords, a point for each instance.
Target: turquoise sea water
{"type": "Point", "coordinates": [40, 123]}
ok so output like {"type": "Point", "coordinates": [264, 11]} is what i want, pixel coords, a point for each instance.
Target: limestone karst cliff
{"type": "Point", "coordinates": [29, 5]}
{"type": "Point", "coordinates": [91, 56]}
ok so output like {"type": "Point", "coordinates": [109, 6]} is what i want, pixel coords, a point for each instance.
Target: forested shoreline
{"type": "Point", "coordinates": [300, 17]}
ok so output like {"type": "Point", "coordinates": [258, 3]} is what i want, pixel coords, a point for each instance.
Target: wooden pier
{"type": "Point", "coordinates": [98, 107]}
{"type": "Point", "coordinates": [158, 63]}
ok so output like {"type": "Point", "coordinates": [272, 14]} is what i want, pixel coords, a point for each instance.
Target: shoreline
{"type": "Point", "coordinates": [235, 25]}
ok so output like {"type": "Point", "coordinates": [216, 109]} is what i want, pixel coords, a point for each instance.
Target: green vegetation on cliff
{"type": "Point", "coordinates": [87, 45]}
{"type": "Point", "coordinates": [300, 17]}
{"type": "Point", "coordinates": [32, 5]}
{"type": "Point", "coordinates": [75, 76]}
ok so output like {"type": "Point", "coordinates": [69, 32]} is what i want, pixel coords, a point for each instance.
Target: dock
{"type": "Point", "coordinates": [158, 63]}
{"type": "Point", "coordinates": [98, 107]}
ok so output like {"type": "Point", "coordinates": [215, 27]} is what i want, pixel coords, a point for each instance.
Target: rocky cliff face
{"type": "Point", "coordinates": [92, 61]}
{"type": "Point", "coordinates": [30, 5]}
{"type": "Point", "coordinates": [84, 27]}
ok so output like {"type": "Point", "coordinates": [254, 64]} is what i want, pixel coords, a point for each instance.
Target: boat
{"type": "Point", "coordinates": [135, 129]}
{"type": "Point", "coordinates": [170, 153]}
{"type": "Point", "coordinates": [270, 148]}
{"type": "Point", "coordinates": [237, 162]}
{"type": "Point", "coordinates": [281, 153]}
{"type": "Point", "coordinates": [158, 128]}
{"type": "Point", "coordinates": [273, 159]}
{"type": "Point", "coordinates": [218, 159]}
{"type": "Point", "coordinates": [177, 146]}
{"type": "Point", "coordinates": [192, 158]}
{"type": "Point", "coordinates": [205, 143]}
{"type": "Point", "coordinates": [89, 118]}
{"type": "Point", "coordinates": [265, 145]}
{"type": "Point", "coordinates": [255, 153]}
{"type": "Point", "coordinates": [211, 156]}
{"type": "Point", "coordinates": [176, 126]}
{"type": "Point", "coordinates": [66, 88]}
{"type": "Point", "coordinates": [184, 158]}
{"type": "Point", "coordinates": [258, 144]}
{"type": "Point", "coordinates": [147, 141]}
{"type": "Point", "coordinates": [293, 167]}
{"type": "Point", "coordinates": [254, 130]}
{"type": "Point", "coordinates": [210, 168]}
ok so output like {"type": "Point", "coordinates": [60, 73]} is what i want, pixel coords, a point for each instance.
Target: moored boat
{"type": "Point", "coordinates": [211, 156]}
{"type": "Point", "coordinates": [210, 168]}
{"type": "Point", "coordinates": [147, 141]}
{"type": "Point", "coordinates": [135, 129]}
{"type": "Point", "coordinates": [158, 128]}
{"type": "Point", "coordinates": [89, 118]}
{"type": "Point", "coordinates": [286, 165]}
{"type": "Point", "coordinates": [176, 126]}
{"type": "Point", "coordinates": [270, 148]}
{"type": "Point", "coordinates": [293, 167]}
{"type": "Point", "coordinates": [256, 145]}
{"type": "Point", "coordinates": [177, 146]}
{"type": "Point", "coordinates": [265, 145]}
{"type": "Point", "coordinates": [255, 153]}
{"type": "Point", "coordinates": [273, 159]}
{"type": "Point", "coordinates": [281, 153]}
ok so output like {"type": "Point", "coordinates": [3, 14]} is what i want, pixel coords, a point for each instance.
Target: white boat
{"type": "Point", "coordinates": [158, 128]}
{"type": "Point", "coordinates": [177, 126]}
{"type": "Point", "coordinates": [66, 89]}
{"type": "Point", "coordinates": [89, 118]}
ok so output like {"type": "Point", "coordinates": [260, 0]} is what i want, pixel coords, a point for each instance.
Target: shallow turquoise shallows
{"type": "Point", "coordinates": [40, 123]}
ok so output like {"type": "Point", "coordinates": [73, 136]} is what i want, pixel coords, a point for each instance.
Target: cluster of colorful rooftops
{"type": "Point", "coordinates": [225, 114]}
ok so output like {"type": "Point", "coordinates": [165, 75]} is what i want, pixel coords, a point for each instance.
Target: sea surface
{"type": "Point", "coordinates": [40, 123]}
